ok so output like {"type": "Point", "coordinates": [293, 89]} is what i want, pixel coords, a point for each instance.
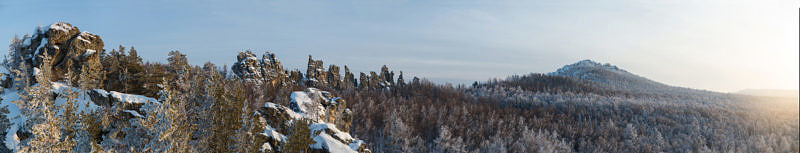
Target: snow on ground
{"type": "Point", "coordinates": [14, 116]}
{"type": "Point", "coordinates": [130, 98]}
{"type": "Point", "coordinates": [306, 103]}
{"type": "Point", "coordinates": [16, 119]}
{"type": "Point", "coordinates": [325, 141]}
{"type": "Point", "coordinates": [272, 133]}
{"type": "Point", "coordinates": [332, 128]}
{"type": "Point", "coordinates": [302, 100]}
{"type": "Point", "coordinates": [356, 144]}
{"type": "Point", "coordinates": [83, 100]}
{"type": "Point", "coordinates": [291, 113]}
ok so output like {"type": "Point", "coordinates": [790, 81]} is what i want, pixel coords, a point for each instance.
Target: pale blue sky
{"type": "Point", "coordinates": [721, 45]}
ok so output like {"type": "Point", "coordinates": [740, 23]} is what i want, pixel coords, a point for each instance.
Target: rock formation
{"type": "Point", "coordinates": [69, 48]}
{"type": "Point", "coordinates": [375, 81]}
{"type": "Point", "coordinates": [248, 67]}
{"type": "Point", "coordinates": [295, 76]}
{"type": "Point", "coordinates": [331, 121]}
{"type": "Point", "coordinates": [349, 79]}
{"type": "Point", "coordinates": [334, 78]}
{"type": "Point", "coordinates": [315, 73]}
{"type": "Point", "coordinates": [272, 68]}
{"type": "Point", "coordinates": [400, 81]}
{"type": "Point", "coordinates": [267, 69]}
{"type": "Point", "coordinates": [363, 81]}
{"type": "Point", "coordinates": [387, 76]}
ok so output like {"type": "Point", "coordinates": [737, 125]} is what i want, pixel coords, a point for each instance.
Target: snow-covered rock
{"type": "Point", "coordinates": [69, 48]}
{"type": "Point", "coordinates": [266, 69]}
{"type": "Point", "coordinates": [330, 144]}
{"type": "Point", "coordinates": [327, 114]}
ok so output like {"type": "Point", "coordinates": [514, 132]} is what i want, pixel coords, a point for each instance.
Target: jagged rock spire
{"type": "Point", "coordinates": [315, 73]}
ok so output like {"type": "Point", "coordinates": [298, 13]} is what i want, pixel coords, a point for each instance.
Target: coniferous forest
{"type": "Point", "coordinates": [64, 91]}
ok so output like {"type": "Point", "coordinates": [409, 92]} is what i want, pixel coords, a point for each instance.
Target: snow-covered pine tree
{"type": "Point", "coordinates": [447, 143]}
{"type": "Point", "coordinates": [225, 115]}
{"type": "Point", "coordinates": [73, 119]}
{"type": "Point", "coordinates": [398, 134]}
{"type": "Point", "coordinates": [299, 137]}
{"type": "Point", "coordinates": [167, 125]}
{"type": "Point", "coordinates": [43, 119]}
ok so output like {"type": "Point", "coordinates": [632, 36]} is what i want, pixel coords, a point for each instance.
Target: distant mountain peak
{"type": "Point", "coordinates": [570, 70]}
{"type": "Point", "coordinates": [605, 73]}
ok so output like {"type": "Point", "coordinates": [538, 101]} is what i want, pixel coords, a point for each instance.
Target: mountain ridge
{"type": "Point", "coordinates": [611, 77]}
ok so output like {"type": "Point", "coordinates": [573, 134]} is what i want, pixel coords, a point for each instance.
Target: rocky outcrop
{"type": "Point", "coordinates": [265, 70]}
{"type": "Point", "coordinates": [272, 68]}
{"type": "Point", "coordinates": [315, 73]}
{"type": "Point", "coordinates": [349, 79]}
{"type": "Point", "coordinates": [247, 66]}
{"type": "Point", "coordinates": [382, 80]}
{"type": "Point", "coordinates": [321, 105]}
{"type": "Point", "coordinates": [69, 48]}
{"type": "Point", "coordinates": [130, 104]}
{"type": "Point", "coordinates": [331, 121]}
{"type": "Point", "coordinates": [400, 81]}
{"type": "Point", "coordinates": [363, 81]}
{"type": "Point", "coordinates": [386, 76]}
{"type": "Point", "coordinates": [334, 77]}
{"type": "Point", "coordinates": [375, 81]}
{"type": "Point", "coordinates": [296, 76]}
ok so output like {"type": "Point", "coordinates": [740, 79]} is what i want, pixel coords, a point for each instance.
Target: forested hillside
{"type": "Point", "coordinates": [64, 92]}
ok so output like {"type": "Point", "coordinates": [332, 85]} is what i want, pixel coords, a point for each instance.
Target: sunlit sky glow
{"type": "Point", "coordinates": [720, 45]}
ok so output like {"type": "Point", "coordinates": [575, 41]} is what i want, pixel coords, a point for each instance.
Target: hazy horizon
{"type": "Point", "coordinates": [724, 46]}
